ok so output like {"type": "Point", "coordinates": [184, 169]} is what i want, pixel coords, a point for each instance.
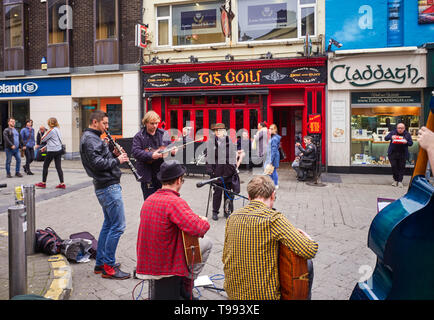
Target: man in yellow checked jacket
{"type": "Point", "coordinates": [251, 248]}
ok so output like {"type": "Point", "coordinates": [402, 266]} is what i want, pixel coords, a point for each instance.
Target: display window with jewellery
{"type": "Point", "coordinates": [369, 127]}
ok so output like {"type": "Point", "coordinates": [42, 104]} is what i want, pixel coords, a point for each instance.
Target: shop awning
{"type": "Point", "coordinates": [183, 93]}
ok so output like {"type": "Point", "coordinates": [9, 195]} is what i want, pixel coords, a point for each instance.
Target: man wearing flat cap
{"type": "Point", "coordinates": [221, 159]}
{"type": "Point", "coordinates": [164, 215]}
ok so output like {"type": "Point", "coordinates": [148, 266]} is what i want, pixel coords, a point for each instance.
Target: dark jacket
{"type": "Point", "coordinates": [98, 161]}
{"type": "Point", "coordinates": [216, 165]}
{"type": "Point", "coordinates": [8, 137]}
{"type": "Point", "coordinates": [397, 149]}
{"type": "Point", "coordinates": [308, 153]}
{"type": "Point", "coordinates": [144, 145]}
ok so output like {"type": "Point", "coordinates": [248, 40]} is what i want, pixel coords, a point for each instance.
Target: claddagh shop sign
{"type": "Point", "coordinates": [369, 75]}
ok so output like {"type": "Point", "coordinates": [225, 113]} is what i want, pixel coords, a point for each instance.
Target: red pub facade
{"type": "Point", "coordinates": [287, 92]}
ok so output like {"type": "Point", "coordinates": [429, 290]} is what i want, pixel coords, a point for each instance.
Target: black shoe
{"type": "Point", "coordinates": [99, 269]}
{"type": "Point", "coordinates": [19, 175]}
{"type": "Point", "coordinates": [9, 175]}
{"type": "Point", "coordinates": [215, 216]}
{"type": "Point", "coordinates": [25, 169]}
{"type": "Point", "coordinates": [30, 173]}
{"type": "Point", "coordinates": [115, 273]}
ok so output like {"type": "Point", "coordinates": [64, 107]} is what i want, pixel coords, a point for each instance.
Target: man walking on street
{"type": "Point", "coordinates": [28, 138]}
{"type": "Point", "coordinates": [100, 164]}
{"type": "Point", "coordinates": [13, 144]}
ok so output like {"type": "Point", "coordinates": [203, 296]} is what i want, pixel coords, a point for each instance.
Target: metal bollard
{"type": "Point", "coordinates": [29, 202]}
{"type": "Point", "coordinates": [17, 251]}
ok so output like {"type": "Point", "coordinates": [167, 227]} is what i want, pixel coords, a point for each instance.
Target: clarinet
{"type": "Point", "coordinates": [118, 147]}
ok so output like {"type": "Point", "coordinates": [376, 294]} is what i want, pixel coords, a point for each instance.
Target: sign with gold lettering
{"type": "Point", "coordinates": [314, 124]}
{"type": "Point", "coordinates": [235, 77]}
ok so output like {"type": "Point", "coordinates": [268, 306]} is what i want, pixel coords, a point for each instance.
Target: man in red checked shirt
{"type": "Point", "coordinates": [164, 214]}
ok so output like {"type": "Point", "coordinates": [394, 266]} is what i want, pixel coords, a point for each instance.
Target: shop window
{"type": "Point", "coordinates": [195, 23]}
{"type": "Point", "coordinates": [212, 117]}
{"type": "Point", "coordinates": [174, 119]}
{"type": "Point", "coordinates": [199, 100]}
{"type": "Point", "coordinates": [253, 99]}
{"type": "Point", "coordinates": [174, 101]}
{"type": "Point", "coordinates": [239, 120]}
{"type": "Point", "coordinates": [254, 120]}
{"type": "Point", "coordinates": [275, 19]}
{"type": "Point", "coordinates": [226, 118]}
{"type": "Point", "coordinates": [106, 32]}
{"type": "Point", "coordinates": [212, 99]}
{"type": "Point", "coordinates": [114, 112]}
{"type": "Point", "coordinates": [199, 124]}
{"type": "Point", "coordinates": [187, 100]}
{"type": "Point", "coordinates": [186, 119]}
{"type": "Point", "coordinates": [20, 112]}
{"type": "Point", "coordinates": [239, 99]}
{"type": "Point", "coordinates": [370, 125]}
{"type": "Point", "coordinates": [15, 35]}
{"type": "Point", "coordinates": [226, 99]}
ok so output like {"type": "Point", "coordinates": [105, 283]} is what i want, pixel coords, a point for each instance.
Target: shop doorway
{"type": "Point", "coordinates": [18, 109]}
{"type": "Point", "coordinates": [289, 125]}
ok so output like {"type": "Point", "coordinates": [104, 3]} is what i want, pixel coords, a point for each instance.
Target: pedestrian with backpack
{"type": "Point", "coordinates": [54, 151]}
{"type": "Point", "coordinates": [103, 166]}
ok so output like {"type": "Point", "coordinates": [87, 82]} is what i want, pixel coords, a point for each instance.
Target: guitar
{"type": "Point", "coordinates": [402, 237]}
{"type": "Point", "coordinates": [191, 249]}
{"type": "Point", "coordinates": [293, 275]}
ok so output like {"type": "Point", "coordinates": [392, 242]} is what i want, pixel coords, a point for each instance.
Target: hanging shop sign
{"type": "Point", "coordinates": [314, 124]}
{"type": "Point", "coordinates": [236, 77]}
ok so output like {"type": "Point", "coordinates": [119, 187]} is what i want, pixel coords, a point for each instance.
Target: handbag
{"type": "Point", "coordinates": [269, 169]}
{"type": "Point", "coordinates": [282, 154]}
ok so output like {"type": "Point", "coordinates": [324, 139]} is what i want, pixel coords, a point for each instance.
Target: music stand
{"type": "Point", "coordinates": [229, 192]}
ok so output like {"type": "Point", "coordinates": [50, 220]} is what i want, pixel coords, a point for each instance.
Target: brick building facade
{"type": "Point", "coordinates": [91, 63]}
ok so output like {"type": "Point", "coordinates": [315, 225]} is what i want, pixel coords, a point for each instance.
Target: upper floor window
{"type": "Point", "coordinates": [106, 24]}
{"type": "Point", "coordinates": [275, 19]}
{"type": "Point", "coordinates": [13, 25]}
{"type": "Point", "coordinates": [189, 24]}
{"type": "Point", "coordinates": [57, 21]}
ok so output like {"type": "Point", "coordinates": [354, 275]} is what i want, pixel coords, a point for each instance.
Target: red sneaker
{"type": "Point", "coordinates": [40, 185]}
{"type": "Point", "coordinates": [61, 186]}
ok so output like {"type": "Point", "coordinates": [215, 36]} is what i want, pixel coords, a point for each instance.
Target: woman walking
{"type": "Point", "coordinates": [53, 146]}
{"type": "Point", "coordinates": [273, 155]}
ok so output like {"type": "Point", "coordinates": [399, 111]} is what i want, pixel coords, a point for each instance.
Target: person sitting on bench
{"type": "Point", "coordinates": [308, 158]}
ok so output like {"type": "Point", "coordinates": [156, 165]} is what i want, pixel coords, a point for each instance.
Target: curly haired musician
{"type": "Point", "coordinates": [252, 236]}
{"type": "Point", "coordinates": [164, 214]}
{"type": "Point", "coordinates": [146, 144]}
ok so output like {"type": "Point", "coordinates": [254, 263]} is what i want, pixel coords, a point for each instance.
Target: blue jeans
{"type": "Point", "coordinates": [13, 153]}
{"type": "Point", "coordinates": [275, 177]}
{"type": "Point", "coordinates": [110, 199]}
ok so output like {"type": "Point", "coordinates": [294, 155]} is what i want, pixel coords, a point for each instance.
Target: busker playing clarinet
{"type": "Point", "coordinates": [164, 215]}
{"type": "Point", "coordinates": [146, 144]}
{"type": "Point", "coordinates": [252, 236]}
{"type": "Point", "coordinates": [103, 166]}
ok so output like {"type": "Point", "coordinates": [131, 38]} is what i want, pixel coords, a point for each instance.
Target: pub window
{"type": "Point", "coordinates": [253, 99]}
{"type": "Point", "coordinates": [57, 21]}
{"type": "Point", "coordinates": [239, 99]}
{"type": "Point", "coordinates": [226, 99]}
{"type": "Point", "coordinates": [199, 100]}
{"type": "Point", "coordinates": [174, 101]}
{"type": "Point", "coordinates": [187, 100]}
{"type": "Point", "coordinates": [275, 19]}
{"type": "Point", "coordinates": [189, 24]}
{"type": "Point", "coordinates": [212, 99]}
{"type": "Point", "coordinates": [106, 19]}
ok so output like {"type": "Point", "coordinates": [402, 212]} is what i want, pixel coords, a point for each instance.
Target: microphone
{"type": "Point", "coordinates": [202, 183]}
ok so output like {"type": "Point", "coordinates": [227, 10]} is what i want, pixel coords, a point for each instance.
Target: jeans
{"type": "Point", "coordinates": [13, 153]}
{"type": "Point", "coordinates": [275, 177]}
{"type": "Point", "coordinates": [110, 199]}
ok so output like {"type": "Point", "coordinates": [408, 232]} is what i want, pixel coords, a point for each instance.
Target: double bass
{"type": "Point", "coordinates": [402, 237]}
